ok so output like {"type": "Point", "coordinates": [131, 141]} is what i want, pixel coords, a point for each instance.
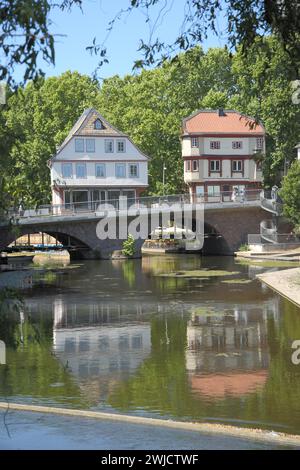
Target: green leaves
{"type": "Point", "coordinates": [290, 194]}
{"type": "Point", "coordinates": [37, 119]}
{"type": "Point", "coordinates": [149, 107]}
{"type": "Point", "coordinates": [263, 90]}
{"type": "Point", "coordinates": [128, 247]}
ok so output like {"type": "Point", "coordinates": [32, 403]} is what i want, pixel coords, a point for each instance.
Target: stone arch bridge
{"type": "Point", "coordinates": [226, 226]}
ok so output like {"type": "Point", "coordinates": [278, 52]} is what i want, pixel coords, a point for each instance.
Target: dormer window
{"type": "Point", "coordinates": [98, 124]}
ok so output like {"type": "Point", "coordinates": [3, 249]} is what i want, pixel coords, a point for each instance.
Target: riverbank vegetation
{"type": "Point", "coordinates": [290, 193]}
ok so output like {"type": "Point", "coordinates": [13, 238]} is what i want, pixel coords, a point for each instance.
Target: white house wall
{"type": "Point", "coordinates": [249, 172]}
{"type": "Point", "coordinates": [131, 152]}
{"type": "Point", "coordinates": [248, 146]}
{"type": "Point", "coordinates": [109, 181]}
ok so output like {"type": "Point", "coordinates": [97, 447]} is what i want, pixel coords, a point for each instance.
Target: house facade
{"type": "Point", "coordinates": [218, 149]}
{"type": "Point", "coordinates": [96, 163]}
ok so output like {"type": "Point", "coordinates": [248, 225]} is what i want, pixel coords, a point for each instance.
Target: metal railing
{"type": "Point", "coordinates": [271, 203]}
{"type": "Point", "coordinates": [268, 232]}
{"type": "Point", "coordinates": [123, 203]}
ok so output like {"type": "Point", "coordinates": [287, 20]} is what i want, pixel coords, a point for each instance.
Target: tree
{"type": "Point", "coordinates": [25, 35]}
{"type": "Point", "coordinates": [263, 90]}
{"type": "Point", "coordinates": [39, 117]}
{"type": "Point", "coordinates": [150, 107]}
{"type": "Point", "coordinates": [290, 194]}
{"type": "Point", "coordinates": [26, 29]}
{"type": "Point", "coordinates": [246, 21]}
{"type": "Point", "coordinates": [6, 141]}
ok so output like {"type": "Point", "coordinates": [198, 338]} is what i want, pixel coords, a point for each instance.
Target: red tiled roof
{"type": "Point", "coordinates": [210, 122]}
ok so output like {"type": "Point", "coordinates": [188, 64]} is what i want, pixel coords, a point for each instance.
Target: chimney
{"type": "Point", "coordinates": [221, 112]}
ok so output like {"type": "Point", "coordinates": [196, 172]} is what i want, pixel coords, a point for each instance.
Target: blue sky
{"type": "Point", "coordinates": [80, 28]}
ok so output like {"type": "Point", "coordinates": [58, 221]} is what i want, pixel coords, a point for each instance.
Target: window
{"type": "Point", "coordinates": [120, 146]}
{"type": "Point", "coordinates": [188, 165]}
{"type": "Point", "coordinates": [120, 170]}
{"type": "Point", "coordinates": [79, 145]}
{"type": "Point", "coordinates": [98, 124]}
{"type": "Point", "coordinates": [90, 145]}
{"type": "Point", "coordinates": [199, 191]}
{"type": "Point", "coordinates": [215, 144]}
{"type": "Point", "coordinates": [109, 146]}
{"type": "Point", "coordinates": [66, 170]}
{"type": "Point", "coordinates": [213, 190]}
{"type": "Point", "coordinates": [237, 165]}
{"type": "Point", "coordinates": [133, 170]}
{"type": "Point", "coordinates": [67, 197]}
{"type": "Point", "coordinates": [137, 342]}
{"type": "Point", "coordinates": [238, 144]}
{"type": "Point", "coordinates": [129, 193]}
{"type": "Point", "coordinates": [100, 170]}
{"type": "Point", "coordinates": [195, 165]}
{"type": "Point", "coordinates": [80, 170]}
{"type": "Point", "coordinates": [259, 143]}
{"type": "Point", "coordinates": [214, 165]}
{"type": "Point", "coordinates": [98, 195]}
{"type": "Point", "coordinates": [195, 142]}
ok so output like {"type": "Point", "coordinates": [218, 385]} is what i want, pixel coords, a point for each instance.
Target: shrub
{"type": "Point", "coordinates": [128, 246]}
{"type": "Point", "coordinates": [244, 247]}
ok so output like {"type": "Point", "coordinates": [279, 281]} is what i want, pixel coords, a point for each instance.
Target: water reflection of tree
{"type": "Point", "coordinates": [11, 303]}
{"type": "Point", "coordinates": [31, 370]}
{"type": "Point", "coordinates": [128, 268]}
{"type": "Point", "coordinates": [162, 384]}
{"type": "Point", "coordinates": [161, 381]}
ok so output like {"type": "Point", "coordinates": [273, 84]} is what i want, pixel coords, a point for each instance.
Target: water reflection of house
{"type": "Point", "coordinates": [102, 349]}
{"type": "Point", "coordinates": [229, 354]}
{"type": "Point", "coordinates": [99, 355]}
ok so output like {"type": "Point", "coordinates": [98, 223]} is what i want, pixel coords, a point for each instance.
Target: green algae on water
{"type": "Point", "coordinates": [237, 281]}
{"type": "Point", "coordinates": [202, 273]}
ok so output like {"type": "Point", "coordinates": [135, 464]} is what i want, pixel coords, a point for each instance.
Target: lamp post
{"type": "Point", "coordinates": [164, 169]}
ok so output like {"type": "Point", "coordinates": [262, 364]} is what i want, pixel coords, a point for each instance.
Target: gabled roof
{"type": "Point", "coordinates": [221, 122]}
{"type": "Point", "coordinates": [84, 126]}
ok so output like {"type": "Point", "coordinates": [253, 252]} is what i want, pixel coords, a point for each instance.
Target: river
{"type": "Point", "coordinates": [147, 337]}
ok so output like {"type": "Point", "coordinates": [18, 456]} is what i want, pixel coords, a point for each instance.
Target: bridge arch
{"type": "Point", "coordinates": [214, 241]}
{"type": "Point", "coordinates": [76, 247]}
